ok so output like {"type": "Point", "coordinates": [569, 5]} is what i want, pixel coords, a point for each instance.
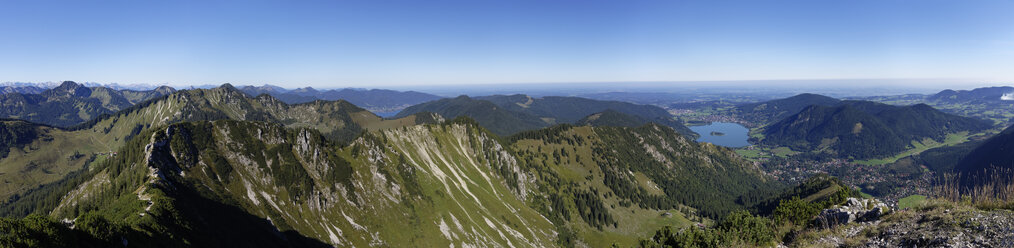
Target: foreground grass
{"type": "Point", "coordinates": [911, 201]}
{"type": "Point", "coordinates": [928, 222]}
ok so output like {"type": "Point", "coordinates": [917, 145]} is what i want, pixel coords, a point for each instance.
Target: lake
{"type": "Point", "coordinates": [723, 133]}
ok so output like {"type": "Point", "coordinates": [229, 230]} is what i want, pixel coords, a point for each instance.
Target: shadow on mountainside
{"type": "Point", "coordinates": [219, 223]}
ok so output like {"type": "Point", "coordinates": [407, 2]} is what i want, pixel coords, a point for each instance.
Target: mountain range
{"type": "Point", "coordinates": [217, 167]}
{"type": "Point", "coordinates": [988, 103]}
{"type": "Point", "coordinates": [509, 114]}
{"type": "Point", "coordinates": [224, 167]}
{"type": "Point", "coordinates": [974, 96]}
{"type": "Point", "coordinates": [28, 89]}
{"type": "Point", "coordinates": [59, 151]}
{"type": "Point", "coordinates": [375, 100]}
{"type": "Point", "coordinates": [70, 103]}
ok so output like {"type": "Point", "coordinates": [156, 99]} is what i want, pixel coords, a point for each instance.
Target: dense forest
{"type": "Point", "coordinates": [16, 134]}
{"type": "Point", "coordinates": [507, 115]}
{"type": "Point", "coordinates": [773, 221]}
{"type": "Point", "coordinates": [863, 130]}
{"type": "Point", "coordinates": [612, 118]}
{"type": "Point", "coordinates": [496, 119]}
{"type": "Point", "coordinates": [993, 157]}
{"type": "Point", "coordinates": [771, 111]}
{"type": "Point", "coordinates": [711, 182]}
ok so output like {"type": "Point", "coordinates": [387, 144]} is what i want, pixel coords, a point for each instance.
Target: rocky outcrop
{"type": "Point", "coordinates": [957, 227]}
{"type": "Point", "coordinates": [937, 223]}
{"type": "Point", "coordinates": [854, 210]}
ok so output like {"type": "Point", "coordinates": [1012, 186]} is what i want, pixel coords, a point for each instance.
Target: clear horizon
{"type": "Point", "coordinates": [406, 44]}
{"type": "Point", "coordinates": [830, 87]}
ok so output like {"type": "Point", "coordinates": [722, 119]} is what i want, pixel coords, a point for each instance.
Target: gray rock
{"type": "Point", "coordinates": [854, 203]}
{"type": "Point", "coordinates": [854, 209]}
{"type": "Point", "coordinates": [833, 217]}
{"type": "Point", "coordinates": [872, 215]}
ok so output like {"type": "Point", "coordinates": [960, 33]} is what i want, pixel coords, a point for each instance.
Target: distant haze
{"type": "Point", "coordinates": [835, 87]}
{"type": "Point", "coordinates": [767, 88]}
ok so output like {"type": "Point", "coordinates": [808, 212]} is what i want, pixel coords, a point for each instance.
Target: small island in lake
{"type": "Point", "coordinates": [717, 133]}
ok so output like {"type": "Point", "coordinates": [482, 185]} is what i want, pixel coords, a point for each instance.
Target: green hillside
{"type": "Point", "coordinates": [254, 183]}
{"type": "Point", "coordinates": [772, 111]}
{"type": "Point", "coordinates": [944, 159]}
{"type": "Point", "coordinates": [623, 179]}
{"type": "Point", "coordinates": [228, 183]}
{"type": "Point", "coordinates": [864, 130]}
{"type": "Point", "coordinates": [50, 157]}
{"type": "Point", "coordinates": [813, 190]}
{"type": "Point", "coordinates": [17, 134]}
{"type": "Point", "coordinates": [994, 156]}
{"type": "Point", "coordinates": [497, 119]}
{"type": "Point", "coordinates": [571, 109]}
{"type": "Point", "coordinates": [506, 115]}
{"type": "Point", "coordinates": [611, 118]}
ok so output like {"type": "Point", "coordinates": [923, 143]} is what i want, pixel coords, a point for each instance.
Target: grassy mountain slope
{"type": "Point", "coordinates": [197, 183]}
{"type": "Point", "coordinates": [944, 159]}
{"type": "Point", "coordinates": [17, 134]}
{"type": "Point", "coordinates": [215, 167]}
{"type": "Point", "coordinates": [861, 129]}
{"type": "Point", "coordinates": [135, 96]}
{"type": "Point", "coordinates": [36, 154]}
{"type": "Point", "coordinates": [254, 183]}
{"type": "Point", "coordinates": [97, 139]}
{"type": "Point", "coordinates": [627, 182]}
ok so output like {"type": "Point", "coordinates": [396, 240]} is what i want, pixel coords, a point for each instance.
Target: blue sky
{"type": "Point", "coordinates": [388, 43]}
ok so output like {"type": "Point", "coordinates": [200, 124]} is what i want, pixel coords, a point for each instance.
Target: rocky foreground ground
{"type": "Point", "coordinates": [935, 224]}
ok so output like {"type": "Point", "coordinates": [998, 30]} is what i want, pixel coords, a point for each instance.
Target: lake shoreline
{"type": "Point", "coordinates": [727, 134]}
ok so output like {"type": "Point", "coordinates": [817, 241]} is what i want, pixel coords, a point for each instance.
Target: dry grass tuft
{"type": "Point", "coordinates": [990, 189]}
